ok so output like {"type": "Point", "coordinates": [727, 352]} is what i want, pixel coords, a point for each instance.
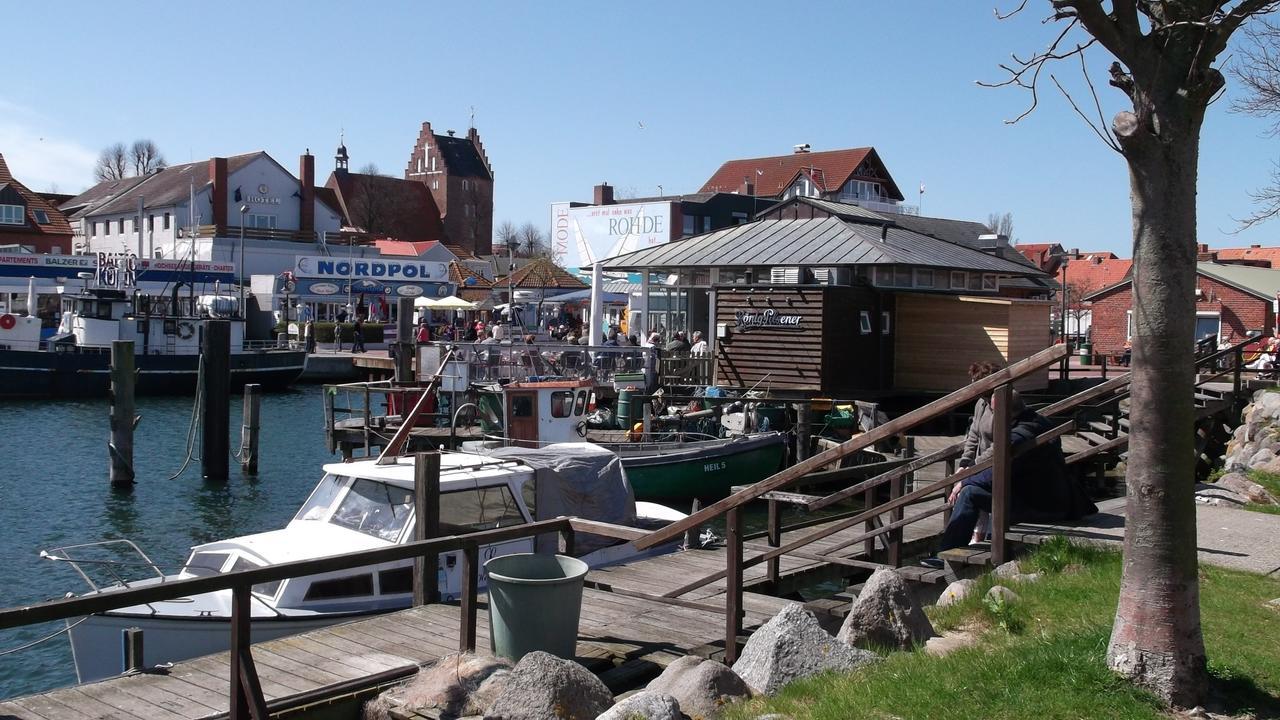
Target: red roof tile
{"type": "Point", "coordinates": [400, 209]}
{"type": "Point", "coordinates": [771, 176]}
{"type": "Point", "coordinates": [1269, 255]}
{"type": "Point", "coordinates": [542, 273]}
{"type": "Point", "coordinates": [56, 229]}
{"type": "Point", "coordinates": [403, 248]}
{"type": "Point", "coordinates": [1087, 276]}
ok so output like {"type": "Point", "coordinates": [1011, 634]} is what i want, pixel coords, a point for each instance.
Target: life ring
{"type": "Point", "coordinates": [7, 321]}
{"type": "Point", "coordinates": [186, 330]}
{"type": "Point", "coordinates": [581, 428]}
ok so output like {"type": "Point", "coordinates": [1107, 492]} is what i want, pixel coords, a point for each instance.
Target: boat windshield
{"type": "Point", "coordinates": [375, 508]}
{"type": "Point", "coordinates": [317, 506]}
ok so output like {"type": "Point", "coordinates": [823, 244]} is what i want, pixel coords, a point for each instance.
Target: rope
{"type": "Point", "coordinates": [48, 637]}
{"type": "Point", "coordinates": [195, 419]}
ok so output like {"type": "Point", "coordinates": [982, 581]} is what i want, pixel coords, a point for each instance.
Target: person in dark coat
{"type": "Point", "coordinates": [1042, 488]}
{"type": "Point", "coordinates": [357, 336]}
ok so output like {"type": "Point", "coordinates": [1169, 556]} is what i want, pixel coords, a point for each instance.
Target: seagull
{"type": "Point", "coordinates": [641, 124]}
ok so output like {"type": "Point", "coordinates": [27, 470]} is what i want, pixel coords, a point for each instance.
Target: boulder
{"type": "Point", "coordinates": [1274, 604]}
{"type": "Point", "coordinates": [645, 706]}
{"type": "Point", "coordinates": [702, 687]}
{"type": "Point", "coordinates": [792, 646]}
{"type": "Point", "coordinates": [1007, 570]}
{"type": "Point", "coordinates": [957, 591]}
{"type": "Point", "coordinates": [1237, 482]}
{"type": "Point", "coordinates": [456, 685]}
{"type": "Point", "coordinates": [1216, 495]}
{"type": "Point", "coordinates": [1000, 592]}
{"type": "Point", "coordinates": [543, 686]}
{"type": "Point", "coordinates": [1271, 466]}
{"type": "Point", "coordinates": [1026, 577]}
{"type": "Point", "coordinates": [886, 614]}
{"type": "Point", "coordinates": [1259, 458]}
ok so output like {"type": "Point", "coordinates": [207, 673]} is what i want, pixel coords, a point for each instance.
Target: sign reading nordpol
{"type": "Point", "coordinates": [317, 266]}
{"type": "Point", "coordinates": [767, 318]}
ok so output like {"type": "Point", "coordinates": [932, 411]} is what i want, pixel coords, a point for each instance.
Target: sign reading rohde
{"type": "Point", "coordinates": [317, 266]}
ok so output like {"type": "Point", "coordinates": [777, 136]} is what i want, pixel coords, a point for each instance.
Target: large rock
{"type": "Point", "coordinates": [1000, 592]}
{"type": "Point", "coordinates": [645, 706]}
{"type": "Point", "coordinates": [702, 687]}
{"type": "Point", "coordinates": [957, 591]}
{"type": "Point", "coordinates": [886, 614]}
{"type": "Point", "coordinates": [1215, 495]}
{"type": "Point", "coordinates": [457, 685]}
{"type": "Point", "coordinates": [542, 686]}
{"type": "Point", "coordinates": [792, 646]}
{"type": "Point", "coordinates": [1237, 482]}
{"type": "Point", "coordinates": [1008, 569]}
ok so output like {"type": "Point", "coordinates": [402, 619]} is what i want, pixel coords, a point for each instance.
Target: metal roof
{"type": "Point", "coordinates": [1263, 282]}
{"type": "Point", "coordinates": [820, 242]}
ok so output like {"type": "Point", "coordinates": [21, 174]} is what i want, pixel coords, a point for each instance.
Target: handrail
{"type": "Point", "coordinates": [796, 472]}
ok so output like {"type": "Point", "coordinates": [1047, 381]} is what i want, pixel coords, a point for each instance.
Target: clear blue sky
{"type": "Point", "coordinates": [560, 90]}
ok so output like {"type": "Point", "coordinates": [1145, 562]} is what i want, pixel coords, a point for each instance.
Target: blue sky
{"type": "Point", "coordinates": [560, 90]}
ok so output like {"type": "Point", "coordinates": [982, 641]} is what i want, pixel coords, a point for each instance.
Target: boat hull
{"type": "Point", "coordinates": [700, 469]}
{"type": "Point", "coordinates": [88, 374]}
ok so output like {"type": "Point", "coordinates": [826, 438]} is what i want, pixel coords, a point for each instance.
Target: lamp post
{"type": "Point", "coordinates": [511, 268]}
{"type": "Point", "coordinates": [1064, 259]}
{"type": "Point", "coordinates": [244, 210]}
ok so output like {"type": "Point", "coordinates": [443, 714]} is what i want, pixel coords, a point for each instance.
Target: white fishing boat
{"type": "Point", "coordinates": [357, 506]}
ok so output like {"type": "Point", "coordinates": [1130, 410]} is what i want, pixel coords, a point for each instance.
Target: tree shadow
{"type": "Point", "coordinates": [1234, 695]}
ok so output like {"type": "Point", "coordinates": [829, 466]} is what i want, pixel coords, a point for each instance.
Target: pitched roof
{"type": "Point", "coordinates": [461, 157]}
{"type": "Point", "coordinates": [542, 273]}
{"type": "Point", "coordinates": [818, 242]}
{"type": "Point", "coordinates": [399, 209]}
{"type": "Point", "coordinates": [1087, 276]}
{"type": "Point", "coordinates": [99, 193]}
{"type": "Point", "coordinates": [772, 175]}
{"type": "Point", "coordinates": [1269, 255]}
{"type": "Point", "coordinates": [1037, 253]}
{"type": "Point", "coordinates": [1259, 281]}
{"type": "Point", "coordinates": [162, 188]}
{"type": "Point", "coordinates": [461, 275]}
{"type": "Point", "coordinates": [57, 222]}
{"type": "Point", "coordinates": [388, 246]}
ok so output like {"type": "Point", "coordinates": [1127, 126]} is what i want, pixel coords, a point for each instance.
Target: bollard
{"type": "Point", "coordinates": [249, 429]}
{"type": "Point", "coordinates": [133, 655]}
{"type": "Point", "coordinates": [691, 535]}
{"type": "Point", "coordinates": [120, 448]}
{"type": "Point", "coordinates": [215, 353]}
{"type": "Point", "coordinates": [426, 503]}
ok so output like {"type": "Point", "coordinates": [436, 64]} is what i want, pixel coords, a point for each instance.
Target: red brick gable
{"type": "Point", "coordinates": [830, 169]}
{"type": "Point", "coordinates": [42, 237]}
{"type": "Point", "coordinates": [1239, 312]}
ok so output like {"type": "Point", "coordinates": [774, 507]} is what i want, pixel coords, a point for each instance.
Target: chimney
{"type": "Point", "coordinates": [1205, 254]}
{"type": "Point", "coordinates": [747, 188]}
{"type": "Point", "coordinates": [1255, 247]}
{"type": "Point", "coordinates": [218, 176]}
{"type": "Point", "coordinates": [603, 194]}
{"type": "Point", "coordinates": [307, 205]}
{"type": "Point", "coordinates": [802, 148]}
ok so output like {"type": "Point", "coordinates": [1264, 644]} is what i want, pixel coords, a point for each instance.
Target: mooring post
{"type": "Point", "coordinates": [803, 426]}
{"type": "Point", "coordinates": [733, 584]}
{"type": "Point", "coordinates": [122, 413]}
{"type": "Point", "coordinates": [470, 577]}
{"type": "Point", "coordinates": [249, 428]}
{"type": "Point", "coordinates": [404, 340]}
{"type": "Point", "coordinates": [426, 506]}
{"type": "Point", "coordinates": [215, 441]}
{"type": "Point", "coordinates": [774, 565]}
{"type": "Point", "coordinates": [1002, 471]}
{"type": "Point", "coordinates": [691, 535]}
{"type": "Point", "coordinates": [133, 650]}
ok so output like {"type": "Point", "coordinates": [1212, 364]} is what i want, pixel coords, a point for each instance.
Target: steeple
{"type": "Point", "coordinates": [340, 159]}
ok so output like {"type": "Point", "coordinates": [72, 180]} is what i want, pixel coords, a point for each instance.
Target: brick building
{"type": "Point", "coordinates": [457, 172]}
{"type": "Point", "coordinates": [29, 219]}
{"type": "Point", "coordinates": [1232, 301]}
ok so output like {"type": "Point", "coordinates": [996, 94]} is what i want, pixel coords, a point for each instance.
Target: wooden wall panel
{"type": "Point", "coordinates": [778, 357]}
{"type": "Point", "coordinates": [940, 335]}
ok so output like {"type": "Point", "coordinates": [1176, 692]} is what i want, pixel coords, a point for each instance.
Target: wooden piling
{"type": "Point", "coordinates": [691, 539]}
{"type": "Point", "coordinates": [120, 448]}
{"type": "Point", "coordinates": [405, 345]}
{"type": "Point", "coordinates": [249, 428]}
{"type": "Point", "coordinates": [426, 507]}
{"type": "Point", "coordinates": [803, 426]}
{"type": "Point", "coordinates": [215, 442]}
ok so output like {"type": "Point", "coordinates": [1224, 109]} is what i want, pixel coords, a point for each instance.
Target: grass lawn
{"type": "Point", "coordinates": [1044, 656]}
{"type": "Point", "coordinates": [1272, 484]}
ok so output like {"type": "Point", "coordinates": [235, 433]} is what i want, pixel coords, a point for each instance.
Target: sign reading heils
{"type": "Point", "coordinates": [769, 318]}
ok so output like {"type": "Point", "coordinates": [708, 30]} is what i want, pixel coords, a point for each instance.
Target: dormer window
{"type": "Point", "coordinates": [12, 215]}
{"type": "Point", "coordinates": [42, 217]}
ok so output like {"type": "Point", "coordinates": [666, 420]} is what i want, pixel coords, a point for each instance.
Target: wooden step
{"type": "Point", "coordinates": [1093, 438]}
{"type": "Point", "coordinates": [972, 555]}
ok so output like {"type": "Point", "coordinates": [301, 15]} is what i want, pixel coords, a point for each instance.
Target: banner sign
{"type": "Point", "coordinates": [376, 269]}
{"type": "Point", "coordinates": [769, 318]}
{"type": "Point", "coordinates": [69, 266]}
{"type": "Point", "coordinates": [603, 231]}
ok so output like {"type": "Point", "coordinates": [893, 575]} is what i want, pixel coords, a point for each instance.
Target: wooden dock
{"type": "Point", "coordinates": [627, 634]}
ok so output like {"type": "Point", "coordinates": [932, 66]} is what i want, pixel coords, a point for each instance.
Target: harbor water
{"type": "Point", "coordinates": [54, 492]}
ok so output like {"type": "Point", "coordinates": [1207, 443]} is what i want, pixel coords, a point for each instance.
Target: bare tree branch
{"type": "Point", "coordinates": [113, 163]}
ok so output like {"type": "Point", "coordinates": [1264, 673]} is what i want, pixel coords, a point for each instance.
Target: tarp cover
{"type": "Point", "coordinates": [578, 479]}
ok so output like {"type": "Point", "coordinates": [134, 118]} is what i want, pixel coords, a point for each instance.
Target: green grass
{"type": "Point", "coordinates": [1272, 483]}
{"type": "Point", "coordinates": [1049, 659]}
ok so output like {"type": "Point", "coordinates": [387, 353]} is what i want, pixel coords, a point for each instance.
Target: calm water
{"type": "Point", "coordinates": [54, 491]}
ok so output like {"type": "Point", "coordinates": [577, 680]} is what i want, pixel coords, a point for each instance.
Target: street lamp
{"type": "Point", "coordinates": [512, 243]}
{"type": "Point", "coordinates": [244, 209]}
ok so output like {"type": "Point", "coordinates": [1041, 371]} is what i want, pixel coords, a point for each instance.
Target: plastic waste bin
{"type": "Point", "coordinates": [534, 604]}
{"type": "Point", "coordinates": [1086, 353]}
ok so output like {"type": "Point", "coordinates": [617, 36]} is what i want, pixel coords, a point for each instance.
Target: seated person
{"type": "Point", "coordinates": [1043, 489]}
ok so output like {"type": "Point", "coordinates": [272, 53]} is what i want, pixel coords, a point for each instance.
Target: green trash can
{"type": "Point", "coordinates": [1086, 353]}
{"type": "Point", "coordinates": [534, 604]}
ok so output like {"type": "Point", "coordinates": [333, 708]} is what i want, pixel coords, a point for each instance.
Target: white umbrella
{"type": "Point", "coordinates": [31, 296]}
{"type": "Point", "coordinates": [425, 302]}
{"type": "Point", "coordinates": [452, 302]}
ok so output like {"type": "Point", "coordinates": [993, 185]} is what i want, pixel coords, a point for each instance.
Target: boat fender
{"type": "Point", "coordinates": [636, 433]}
{"type": "Point", "coordinates": [7, 321]}
{"type": "Point", "coordinates": [186, 330]}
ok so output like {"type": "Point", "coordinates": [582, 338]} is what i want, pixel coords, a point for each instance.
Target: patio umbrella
{"type": "Point", "coordinates": [452, 303]}
{"type": "Point", "coordinates": [426, 302]}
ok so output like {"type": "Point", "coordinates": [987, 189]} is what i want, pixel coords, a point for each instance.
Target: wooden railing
{"type": "Point", "coordinates": [246, 699]}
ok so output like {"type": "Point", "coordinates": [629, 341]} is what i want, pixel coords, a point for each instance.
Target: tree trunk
{"type": "Point", "coordinates": [1156, 640]}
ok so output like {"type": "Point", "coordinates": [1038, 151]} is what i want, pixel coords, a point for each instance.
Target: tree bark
{"type": "Point", "coordinates": [1156, 639]}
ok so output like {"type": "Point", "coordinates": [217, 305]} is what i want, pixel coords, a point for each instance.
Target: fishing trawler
{"type": "Point", "coordinates": [356, 506]}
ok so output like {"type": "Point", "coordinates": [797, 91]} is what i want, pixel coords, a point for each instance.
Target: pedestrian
{"type": "Point", "coordinates": [699, 346]}
{"type": "Point", "coordinates": [678, 344]}
{"type": "Point", "coordinates": [978, 440]}
{"type": "Point", "coordinates": [337, 327]}
{"type": "Point", "coordinates": [309, 336]}
{"type": "Point", "coordinates": [357, 336]}
{"type": "Point", "coordinates": [424, 332]}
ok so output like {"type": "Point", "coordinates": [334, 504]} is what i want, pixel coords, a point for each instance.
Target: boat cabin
{"type": "Point", "coordinates": [99, 317]}
{"type": "Point", "coordinates": [361, 506]}
{"type": "Point", "coordinates": [549, 411]}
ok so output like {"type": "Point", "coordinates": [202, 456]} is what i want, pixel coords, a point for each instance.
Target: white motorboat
{"type": "Point", "coordinates": [357, 506]}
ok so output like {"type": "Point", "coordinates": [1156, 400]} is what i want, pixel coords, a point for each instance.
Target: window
{"type": "Point", "coordinates": [924, 278]}
{"type": "Point", "coordinates": [120, 226]}
{"type": "Point", "coordinates": [344, 587]}
{"type": "Point", "coordinates": [316, 506]}
{"type": "Point", "coordinates": [375, 508]}
{"type": "Point", "coordinates": [884, 322]}
{"type": "Point", "coordinates": [975, 281]}
{"type": "Point", "coordinates": [435, 184]}
{"type": "Point", "coordinates": [884, 276]}
{"type": "Point", "coordinates": [739, 218]}
{"type": "Point", "coordinates": [263, 222]}
{"type": "Point", "coordinates": [465, 185]}
{"type": "Point", "coordinates": [395, 582]}
{"type": "Point", "coordinates": [690, 225]}
{"type": "Point", "coordinates": [706, 223]}
{"type": "Point", "coordinates": [522, 406]}
{"type": "Point", "coordinates": [482, 508]}
{"type": "Point", "coordinates": [151, 223]}
{"type": "Point", "coordinates": [42, 217]}
{"type": "Point", "coordinates": [957, 280]}
{"type": "Point", "coordinates": [902, 277]}
{"type": "Point", "coordinates": [12, 215]}
{"type": "Point", "coordinates": [1128, 324]}
{"type": "Point", "coordinates": [864, 322]}
{"type": "Point", "coordinates": [561, 404]}
{"type": "Point", "coordinates": [990, 282]}
{"type": "Point", "coordinates": [166, 221]}
{"type": "Point", "coordinates": [203, 564]}
{"type": "Point", "coordinates": [580, 403]}
{"type": "Point", "coordinates": [1208, 325]}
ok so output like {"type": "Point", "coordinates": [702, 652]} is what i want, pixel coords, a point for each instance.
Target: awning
{"type": "Point", "coordinates": [609, 297]}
